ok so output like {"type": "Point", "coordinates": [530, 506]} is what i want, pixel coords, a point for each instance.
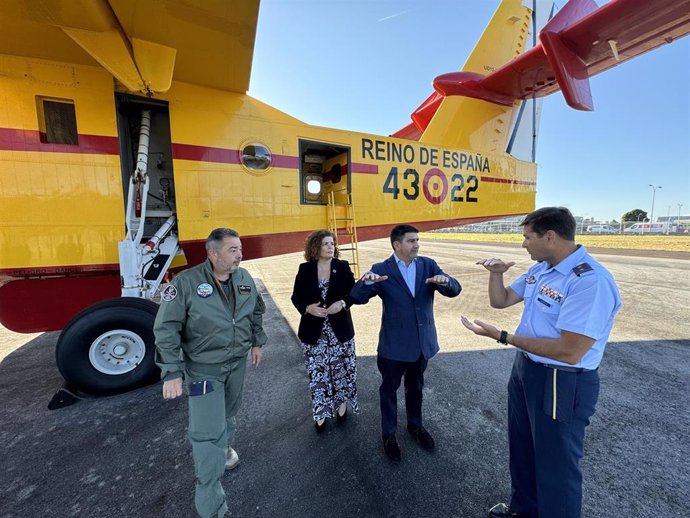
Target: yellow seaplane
{"type": "Point", "coordinates": [126, 135]}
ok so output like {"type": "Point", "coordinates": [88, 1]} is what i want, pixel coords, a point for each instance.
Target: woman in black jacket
{"type": "Point", "coordinates": [322, 296]}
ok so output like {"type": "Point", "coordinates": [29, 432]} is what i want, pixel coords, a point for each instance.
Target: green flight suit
{"type": "Point", "coordinates": [205, 335]}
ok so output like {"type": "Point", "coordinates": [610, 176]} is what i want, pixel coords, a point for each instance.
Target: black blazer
{"type": "Point", "coordinates": [306, 291]}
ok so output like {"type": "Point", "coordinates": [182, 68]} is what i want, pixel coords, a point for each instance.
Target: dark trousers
{"type": "Point", "coordinates": [548, 411]}
{"type": "Point", "coordinates": [392, 372]}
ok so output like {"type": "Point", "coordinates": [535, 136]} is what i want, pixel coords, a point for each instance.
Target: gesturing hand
{"type": "Point", "coordinates": [481, 328]}
{"type": "Point", "coordinates": [374, 277]}
{"type": "Point", "coordinates": [495, 265]}
{"type": "Point", "coordinates": [441, 280]}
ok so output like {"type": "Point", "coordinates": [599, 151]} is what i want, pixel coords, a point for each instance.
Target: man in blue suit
{"type": "Point", "coordinates": [406, 284]}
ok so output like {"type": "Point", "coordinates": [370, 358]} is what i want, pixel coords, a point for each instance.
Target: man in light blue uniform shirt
{"type": "Point", "coordinates": [570, 304]}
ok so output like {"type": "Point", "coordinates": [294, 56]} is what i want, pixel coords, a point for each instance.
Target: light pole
{"type": "Point", "coordinates": [678, 220]}
{"type": "Point", "coordinates": [651, 214]}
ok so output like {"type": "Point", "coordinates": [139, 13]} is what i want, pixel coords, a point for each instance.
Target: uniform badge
{"type": "Point", "coordinates": [244, 289]}
{"type": "Point", "coordinates": [169, 293]}
{"type": "Point", "coordinates": [551, 293]}
{"type": "Point", "coordinates": [204, 290]}
{"type": "Point", "coordinates": [582, 268]}
{"type": "Point", "coordinates": [531, 279]}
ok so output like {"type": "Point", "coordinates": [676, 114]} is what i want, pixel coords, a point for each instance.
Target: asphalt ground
{"type": "Point", "coordinates": [128, 455]}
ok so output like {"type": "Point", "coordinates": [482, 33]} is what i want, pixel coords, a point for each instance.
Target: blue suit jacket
{"type": "Point", "coordinates": [407, 322]}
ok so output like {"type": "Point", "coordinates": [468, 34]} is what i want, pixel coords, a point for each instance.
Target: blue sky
{"type": "Point", "coordinates": [364, 65]}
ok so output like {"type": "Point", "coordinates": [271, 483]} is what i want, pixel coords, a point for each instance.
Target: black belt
{"type": "Point", "coordinates": [564, 368]}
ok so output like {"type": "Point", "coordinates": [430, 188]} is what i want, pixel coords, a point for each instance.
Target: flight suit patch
{"type": "Point", "coordinates": [169, 293]}
{"type": "Point", "coordinates": [204, 290]}
{"type": "Point", "coordinates": [244, 289]}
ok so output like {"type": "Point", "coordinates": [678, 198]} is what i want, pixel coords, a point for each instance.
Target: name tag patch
{"type": "Point", "coordinates": [551, 293]}
{"type": "Point", "coordinates": [544, 302]}
{"type": "Point", "coordinates": [244, 289]}
{"type": "Point", "coordinates": [204, 290]}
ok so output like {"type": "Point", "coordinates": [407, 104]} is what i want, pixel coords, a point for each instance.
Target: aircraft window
{"type": "Point", "coordinates": [256, 157]}
{"type": "Point", "coordinates": [59, 122]}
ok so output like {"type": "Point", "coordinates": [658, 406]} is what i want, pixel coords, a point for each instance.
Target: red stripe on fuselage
{"type": "Point", "coordinates": [30, 140]}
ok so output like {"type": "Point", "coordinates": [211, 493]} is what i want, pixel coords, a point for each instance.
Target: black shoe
{"type": "Point", "coordinates": [341, 418]}
{"type": "Point", "coordinates": [503, 511]}
{"type": "Point", "coordinates": [320, 427]}
{"type": "Point", "coordinates": [423, 437]}
{"type": "Point", "coordinates": [390, 446]}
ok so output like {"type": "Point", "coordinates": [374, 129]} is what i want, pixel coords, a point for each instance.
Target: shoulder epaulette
{"type": "Point", "coordinates": [582, 268]}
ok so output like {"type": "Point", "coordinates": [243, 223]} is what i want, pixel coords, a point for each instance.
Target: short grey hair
{"type": "Point", "coordinates": [216, 237]}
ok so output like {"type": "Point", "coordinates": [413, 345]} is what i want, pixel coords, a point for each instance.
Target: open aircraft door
{"type": "Point", "coordinates": [325, 179]}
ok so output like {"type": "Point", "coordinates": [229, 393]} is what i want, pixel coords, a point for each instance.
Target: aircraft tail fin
{"type": "Point", "coordinates": [470, 123]}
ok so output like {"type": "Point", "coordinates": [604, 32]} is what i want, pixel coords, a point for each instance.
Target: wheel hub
{"type": "Point", "coordinates": [117, 352]}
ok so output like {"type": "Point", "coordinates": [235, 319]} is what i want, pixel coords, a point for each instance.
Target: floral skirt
{"type": "Point", "coordinates": [331, 366]}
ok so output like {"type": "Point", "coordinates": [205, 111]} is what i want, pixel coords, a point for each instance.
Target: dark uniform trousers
{"type": "Point", "coordinates": [548, 411]}
{"type": "Point", "coordinates": [392, 372]}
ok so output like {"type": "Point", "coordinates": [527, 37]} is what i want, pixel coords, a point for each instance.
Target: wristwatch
{"type": "Point", "coordinates": [503, 338]}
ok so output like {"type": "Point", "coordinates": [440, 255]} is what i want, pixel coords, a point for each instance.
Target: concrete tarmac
{"type": "Point", "coordinates": [128, 455]}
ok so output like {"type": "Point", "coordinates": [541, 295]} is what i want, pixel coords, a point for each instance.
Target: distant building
{"type": "Point", "coordinates": [498, 226]}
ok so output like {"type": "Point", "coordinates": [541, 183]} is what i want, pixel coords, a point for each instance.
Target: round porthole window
{"type": "Point", "coordinates": [256, 157]}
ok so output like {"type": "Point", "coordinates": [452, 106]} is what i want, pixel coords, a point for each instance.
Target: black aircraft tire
{"type": "Point", "coordinates": [108, 348]}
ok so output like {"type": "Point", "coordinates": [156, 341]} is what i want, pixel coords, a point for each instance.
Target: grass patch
{"type": "Point", "coordinates": [669, 243]}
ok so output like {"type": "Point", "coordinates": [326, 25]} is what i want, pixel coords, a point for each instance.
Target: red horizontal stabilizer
{"type": "Point", "coordinates": [570, 71]}
{"type": "Point", "coordinates": [422, 116]}
{"type": "Point", "coordinates": [469, 84]}
{"type": "Point", "coordinates": [579, 42]}
{"type": "Point", "coordinates": [409, 132]}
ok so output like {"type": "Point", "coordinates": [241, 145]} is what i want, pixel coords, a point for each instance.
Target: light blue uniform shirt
{"type": "Point", "coordinates": [557, 299]}
{"type": "Point", "coordinates": [409, 273]}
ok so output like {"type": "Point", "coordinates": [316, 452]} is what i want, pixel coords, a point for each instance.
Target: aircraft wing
{"type": "Point", "coordinates": [580, 41]}
{"type": "Point", "coordinates": [145, 44]}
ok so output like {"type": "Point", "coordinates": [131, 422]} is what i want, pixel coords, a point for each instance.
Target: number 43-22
{"type": "Point", "coordinates": [411, 190]}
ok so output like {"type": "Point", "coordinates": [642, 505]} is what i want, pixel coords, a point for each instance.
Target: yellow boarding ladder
{"type": "Point", "coordinates": [341, 221]}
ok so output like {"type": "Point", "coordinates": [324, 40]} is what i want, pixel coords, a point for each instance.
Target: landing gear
{"type": "Point", "coordinates": [108, 348]}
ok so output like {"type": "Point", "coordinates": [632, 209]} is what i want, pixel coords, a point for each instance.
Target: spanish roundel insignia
{"type": "Point", "coordinates": [204, 290]}
{"type": "Point", "coordinates": [169, 293]}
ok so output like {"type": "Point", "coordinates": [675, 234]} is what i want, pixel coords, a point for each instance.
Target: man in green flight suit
{"type": "Point", "coordinates": [213, 313]}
